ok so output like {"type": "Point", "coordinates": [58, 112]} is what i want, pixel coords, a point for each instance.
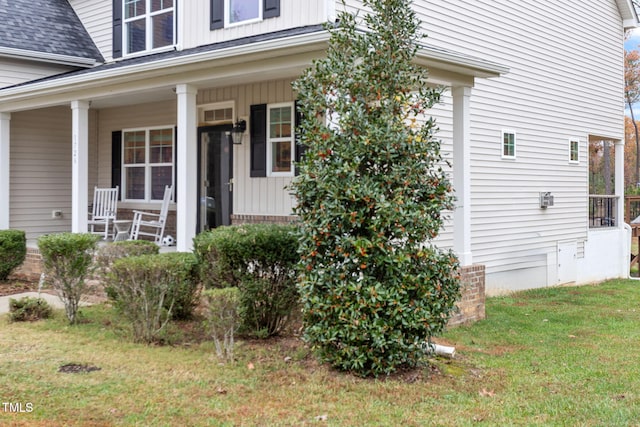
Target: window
{"type": "Point", "coordinates": [148, 25]}
{"type": "Point", "coordinates": [241, 11]}
{"type": "Point", "coordinates": [225, 13]}
{"type": "Point", "coordinates": [574, 147]}
{"type": "Point", "coordinates": [508, 145]}
{"type": "Point", "coordinates": [147, 162]}
{"type": "Point", "coordinates": [280, 139]}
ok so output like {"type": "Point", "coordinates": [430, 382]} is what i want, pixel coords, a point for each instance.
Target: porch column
{"type": "Point", "coordinates": [619, 181]}
{"type": "Point", "coordinates": [462, 173]}
{"type": "Point", "coordinates": [79, 166]}
{"type": "Point", "coordinates": [5, 140]}
{"type": "Point", "coordinates": [187, 166]}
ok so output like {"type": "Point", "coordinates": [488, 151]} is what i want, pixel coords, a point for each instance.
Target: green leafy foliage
{"type": "Point", "coordinates": [28, 309]}
{"type": "Point", "coordinates": [370, 196]}
{"type": "Point", "coordinates": [186, 287]}
{"type": "Point", "coordinates": [13, 249]}
{"type": "Point", "coordinates": [148, 288]}
{"type": "Point", "coordinates": [223, 311]}
{"type": "Point", "coordinates": [68, 261]}
{"type": "Point", "coordinates": [260, 260]}
{"type": "Point", "coordinates": [107, 254]}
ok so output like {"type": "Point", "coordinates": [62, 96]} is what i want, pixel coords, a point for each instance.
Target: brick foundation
{"type": "Point", "coordinates": [31, 268]}
{"type": "Point", "coordinates": [471, 304]}
{"type": "Point", "coordinates": [263, 219]}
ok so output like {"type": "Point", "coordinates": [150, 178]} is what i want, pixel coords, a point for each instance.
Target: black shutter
{"type": "Point", "coordinates": [300, 149]}
{"type": "Point", "coordinates": [116, 161]}
{"type": "Point", "coordinates": [258, 133]}
{"type": "Point", "coordinates": [271, 9]}
{"type": "Point", "coordinates": [117, 28]}
{"type": "Point", "coordinates": [217, 14]}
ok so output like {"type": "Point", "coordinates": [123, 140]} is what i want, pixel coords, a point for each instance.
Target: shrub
{"type": "Point", "coordinates": [28, 309]}
{"type": "Point", "coordinates": [13, 249]}
{"type": "Point", "coordinates": [147, 287]}
{"type": "Point", "coordinates": [371, 193]}
{"type": "Point", "coordinates": [260, 260]}
{"type": "Point", "coordinates": [186, 289]}
{"type": "Point", "coordinates": [109, 253]}
{"type": "Point", "coordinates": [223, 315]}
{"type": "Point", "coordinates": [68, 261]}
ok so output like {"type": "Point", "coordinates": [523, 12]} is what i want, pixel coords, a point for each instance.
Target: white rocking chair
{"type": "Point", "coordinates": [104, 210]}
{"type": "Point", "coordinates": [155, 221]}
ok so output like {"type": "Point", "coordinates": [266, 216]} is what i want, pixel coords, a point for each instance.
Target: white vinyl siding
{"type": "Point", "coordinates": [254, 196]}
{"type": "Point", "coordinates": [41, 170]}
{"type": "Point", "coordinates": [15, 71]}
{"type": "Point", "coordinates": [194, 25]}
{"type": "Point", "coordinates": [97, 18]}
{"type": "Point", "coordinates": [563, 82]}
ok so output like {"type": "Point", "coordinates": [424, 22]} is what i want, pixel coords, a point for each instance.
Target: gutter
{"type": "Point", "coordinates": [229, 55]}
{"type": "Point", "coordinates": [53, 58]}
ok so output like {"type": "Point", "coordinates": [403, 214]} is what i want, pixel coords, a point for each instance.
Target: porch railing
{"type": "Point", "coordinates": [603, 211]}
{"type": "Point", "coordinates": [631, 208]}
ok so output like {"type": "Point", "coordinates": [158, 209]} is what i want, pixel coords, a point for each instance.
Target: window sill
{"type": "Point", "coordinates": [148, 52]}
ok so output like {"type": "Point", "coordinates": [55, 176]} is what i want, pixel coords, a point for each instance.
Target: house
{"type": "Point", "coordinates": [144, 93]}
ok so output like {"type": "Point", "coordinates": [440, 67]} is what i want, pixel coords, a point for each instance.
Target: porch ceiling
{"type": "Point", "coordinates": [155, 78]}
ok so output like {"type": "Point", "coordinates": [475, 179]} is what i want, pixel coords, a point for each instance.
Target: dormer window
{"type": "Point", "coordinates": [228, 13]}
{"type": "Point", "coordinates": [147, 25]}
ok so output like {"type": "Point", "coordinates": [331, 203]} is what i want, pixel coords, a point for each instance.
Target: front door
{"type": "Point", "coordinates": [215, 176]}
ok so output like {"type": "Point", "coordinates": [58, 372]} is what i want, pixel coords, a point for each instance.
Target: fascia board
{"type": "Point", "coordinates": [53, 58]}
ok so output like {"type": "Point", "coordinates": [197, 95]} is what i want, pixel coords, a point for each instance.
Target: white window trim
{"type": "Point", "coordinates": [216, 106]}
{"type": "Point", "coordinates": [227, 13]}
{"type": "Point", "coordinates": [148, 29]}
{"type": "Point", "coordinates": [270, 140]}
{"type": "Point", "coordinates": [571, 140]}
{"type": "Point", "coordinates": [147, 165]}
{"type": "Point", "coordinates": [515, 144]}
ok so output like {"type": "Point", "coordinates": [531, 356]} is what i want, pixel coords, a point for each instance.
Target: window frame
{"type": "Point", "coordinates": [147, 165]}
{"type": "Point", "coordinates": [270, 141]}
{"type": "Point", "coordinates": [148, 19]}
{"type": "Point", "coordinates": [227, 15]}
{"type": "Point", "coordinates": [577, 150]}
{"type": "Point", "coordinates": [502, 144]}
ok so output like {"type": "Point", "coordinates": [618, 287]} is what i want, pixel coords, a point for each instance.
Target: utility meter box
{"type": "Point", "coordinates": [546, 199]}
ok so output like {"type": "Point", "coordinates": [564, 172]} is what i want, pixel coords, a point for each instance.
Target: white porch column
{"type": "Point", "coordinates": [79, 166]}
{"type": "Point", "coordinates": [462, 173]}
{"type": "Point", "coordinates": [619, 181]}
{"type": "Point", "coordinates": [187, 166]}
{"type": "Point", "coordinates": [5, 140]}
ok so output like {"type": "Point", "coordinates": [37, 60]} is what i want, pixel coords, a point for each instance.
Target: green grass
{"type": "Point", "coordinates": [561, 356]}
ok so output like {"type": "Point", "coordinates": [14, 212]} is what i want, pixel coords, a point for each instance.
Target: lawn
{"type": "Point", "coordinates": [561, 356]}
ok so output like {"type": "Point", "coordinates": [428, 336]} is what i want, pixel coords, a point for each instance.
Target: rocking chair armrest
{"type": "Point", "coordinates": [141, 213]}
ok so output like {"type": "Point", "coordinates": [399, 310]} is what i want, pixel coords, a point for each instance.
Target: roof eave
{"type": "Point", "coordinates": [52, 58]}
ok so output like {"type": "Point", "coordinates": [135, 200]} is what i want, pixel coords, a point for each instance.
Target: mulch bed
{"type": "Point", "coordinates": [12, 287]}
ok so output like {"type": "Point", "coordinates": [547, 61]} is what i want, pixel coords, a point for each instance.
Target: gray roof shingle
{"type": "Point", "coordinates": [47, 26]}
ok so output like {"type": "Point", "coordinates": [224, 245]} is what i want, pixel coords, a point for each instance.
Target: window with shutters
{"type": "Point", "coordinates": [229, 13]}
{"type": "Point", "coordinates": [147, 162]}
{"type": "Point", "coordinates": [147, 25]}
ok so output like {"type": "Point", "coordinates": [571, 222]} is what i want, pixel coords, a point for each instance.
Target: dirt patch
{"type": "Point", "coordinates": [76, 368]}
